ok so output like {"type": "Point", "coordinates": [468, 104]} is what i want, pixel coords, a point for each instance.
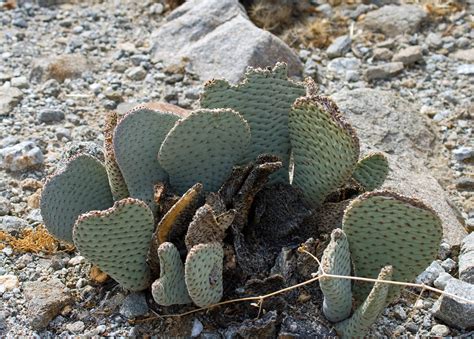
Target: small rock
{"type": "Point", "coordinates": [76, 327]}
{"type": "Point", "coordinates": [21, 156]}
{"type": "Point", "coordinates": [467, 69]}
{"type": "Point", "coordinates": [448, 264]}
{"type": "Point", "coordinates": [463, 153]}
{"type": "Point", "coordinates": [134, 305]}
{"type": "Point", "coordinates": [136, 73]}
{"type": "Point", "coordinates": [455, 312]}
{"type": "Point", "coordinates": [12, 224]}
{"type": "Point", "coordinates": [59, 68]}
{"type": "Point", "coordinates": [409, 55]}
{"type": "Point", "coordinates": [383, 71]}
{"type": "Point", "coordinates": [5, 206]}
{"type": "Point", "coordinates": [442, 280]}
{"type": "Point", "coordinates": [434, 40]}
{"type": "Point", "coordinates": [466, 259]}
{"type": "Point", "coordinates": [466, 55]}
{"type": "Point", "coordinates": [342, 65]}
{"type": "Point", "coordinates": [49, 115]}
{"type": "Point", "coordinates": [339, 46]}
{"type": "Point", "coordinates": [383, 54]}
{"type": "Point", "coordinates": [77, 260]}
{"type": "Point", "coordinates": [197, 328]}
{"type": "Point", "coordinates": [20, 82]}
{"type": "Point", "coordinates": [444, 250]}
{"type": "Point", "coordinates": [399, 312]}
{"type": "Point", "coordinates": [430, 274]}
{"type": "Point", "coordinates": [51, 88]}
{"type": "Point", "coordinates": [439, 331]}
{"type": "Point", "coordinates": [45, 300]}
{"type": "Point", "coordinates": [9, 282]}
{"type": "Point", "coordinates": [465, 184]}
{"type": "Point", "coordinates": [9, 98]}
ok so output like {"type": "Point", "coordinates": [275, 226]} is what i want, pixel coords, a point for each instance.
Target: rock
{"type": "Point", "coordinates": [339, 46]}
{"type": "Point", "coordinates": [455, 312]}
{"type": "Point", "coordinates": [20, 82]}
{"type": "Point", "coordinates": [197, 328]}
{"type": "Point", "coordinates": [466, 259]}
{"type": "Point", "coordinates": [466, 55]}
{"type": "Point", "coordinates": [9, 98]}
{"type": "Point", "coordinates": [77, 260]}
{"type": "Point", "coordinates": [466, 69]}
{"type": "Point", "coordinates": [20, 157]}
{"type": "Point", "coordinates": [388, 123]}
{"type": "Point", "coordinates": [59, 67]}
{"type": "Point", "coordinates": [207, 33]}
{"type": "Point", "coordinates": [5, 206]}
{"type": "Point", "coordinates": [442, 280]}
{"type": "Point", "coordinates": [51, 88]}
{"type": "Point", "coordinates": [464, 153]}
{"type": "Point", "coordinates": [76, 327]}
{"type": "Point", "coordinates": [465, 184]}
{"type": "Point", "coordinates": [45, 300]}
{"type": "Point", "coordinates": [136, 73]}
{"type": "Point", "coordinates": [430, 274]}
{"type": "Point", "coordinates": [8, 282]}
{"type": "Point", "coordinates": [395, 20]}
{"type": "Point", "coordinates": [409, 55]}
{"type": "Point", "coordinates": [383, 54]}
{"type": "Point", "coordinates": [383, 71]}
{"type": "Point", "coordinates": [342, 65]}
{"type": "Point", "coordinates": [439, 331]}
{"type": "Point", "coordinates": [134, 305]}
{"type": "Point", "coordinates": [434, 40]}
{"type": "Point", "coordinates": [49, 115]}
{"type": "Point", "coordinates": [448, 265]}
{"type": "Point", "coordinates": [12, 224]}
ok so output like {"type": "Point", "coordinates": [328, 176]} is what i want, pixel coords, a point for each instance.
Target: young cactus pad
{"type": "Point", "coordinates": [385, 228]}
{"type": "Point", "coordinates": [203, 148]}
{"type": "Point", "coordinates": [336, 259]}
{"type": "Point", "coordinates": [264, 98]}
{"type": "Point", "coordinates": [357, 325]}
{"type": "Point", "coordinates": [371, 171]}
{"type": "Point", "coordinates": [137, 139]}
{"type": "Point", "coordinates": [170, 288]}
{"type": "Point", "coordinates": [79, 187]}
{"type": "Point", "coordinates": [117, 240]}
{"type": "Point", "coordinates": [203, 273]}
{"type": "Point", "coordinates": [325, 147]}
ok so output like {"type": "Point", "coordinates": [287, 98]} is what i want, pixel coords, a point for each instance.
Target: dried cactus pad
{"type": "Point", "coordinates": [336, 260]}
{"type": "Point", "coordinates": [203, 148]}
{"type": "Point", "coordinates": [117, 183]}
{"type": "Point", "coordinates": [371, 171]}
{"type": "Point", "coordinates": [137, 139]}
{"type": "Point", "coordinates": [264, 98]}
{"type": "Point", "coordinates": [203, 273]}
{"type": "Point", "coordinates": [325, 147]}
{"type": "Point", "coordinates": [117, 240]}
{"type": "Point", "coordinates": [80, 186]}
{"type": "Point", "coordinates": [385, 228]}
{"type": "Point", "coordinates": [170, 288]}
{"type": "Point", "coordinates": [357, 325]}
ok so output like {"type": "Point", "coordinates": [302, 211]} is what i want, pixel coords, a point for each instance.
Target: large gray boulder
{"type": "Point", "coordinates": [386, 122]}
{"type": "Point", "coordinates": [218, 40]}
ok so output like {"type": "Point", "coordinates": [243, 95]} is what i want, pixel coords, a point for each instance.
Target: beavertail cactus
{"type": "Point", "coordinates": [371, 171]}
{"type": "Point", "coordinates": [81, 186]}
{"type": "Point", "coordinates": [170, 288]}
{"type": "Point", "coordinates": [203, 273]}
{"type": "Point", "coordinates": [385, 228]}
{"type": "Point", "coordinates": [203, 148]}
{"type": "Point", "coordinates": [367, 313]}
{"type": "Point", "coordinates": [117, 241]}
{"type": "Point", "coordinates": [325, 147]}
{"type": "Point", "coordinates": [336, 260]}
{"type": "Point", "coordinates": [264, 99]}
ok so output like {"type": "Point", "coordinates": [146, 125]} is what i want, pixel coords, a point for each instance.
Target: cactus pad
{"type": "Point", "coordinates": [206, 227]}
{"type": "Point", "coordinates": [357, 325]}
{"type": "Point", "coordinates": [203, 273]}
{"type": "Point", "coordinates": [137, 139]}
{"type": "Point", "coordinates": [170, 288]}
{"type": "Point", "coordinates": [117, 241]}
{"type": "Point", "coordinates": [117, 183]}
{"type": "Point", "coordinates": [264, 99]}
{"type": "Point", "coordinates": [203, 148]}
{"type": "Point", "coordinates": [385, 228]}
{"type": "Point", "coordinates": [80, 186]}
{"type": "Point", "coordinates": [325, 147]}
{"type": "Point", "coordinates": [336, 260]}
{"type": "Point", "coordinates": [371, 171]}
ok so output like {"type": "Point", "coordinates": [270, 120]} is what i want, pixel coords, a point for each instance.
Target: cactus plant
{"type": "Point", "coordinates": [117, 241]}
{"type": "Point", "coordinates": [264, 99]}
{"type": "Point", "coordinates": [371, 171]}
{"type": "Point", "coordinates": [170, 288]}
{"type": "Point", "coordinates": [325, 147]}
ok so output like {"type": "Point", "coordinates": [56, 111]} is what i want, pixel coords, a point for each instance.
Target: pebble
{"type": "Point", "coordinates": [383, 54]}
{"type": "Point", "coordinates": [467, 69]}
{"type": "Point", "coordinates": [77, 260]}
{"type": "Point", "coordinates": [409, 55]}
{"type": "Point", "coordinates": [8, 282]}
{"type": "Point", "coordinates": [430, 274]}
{"type": "Point", "coordinates": [442, 280]}
{"type": "Point", "coordinates": [448, 264]}
{"type": "Point", "coordinates": [383, 71]}
{"type": "Point", "coordinates": [76, 327]}
{"type": "Point", "coordinates": [20, 157]}
{"type": "Point", "coordinates": [439, 331]}
{"type": "Point", "coordinates": [5, 206]}
{"type": "Point", "coordinates": [49, 115]}
{"type": "Point", "coordinates": [136, 73]}
{"type": "Point", "coordinates": [134, 305]}
{"type": "Point", "coordinates": [340, 46]}
{"type": "Point", "coordinates": [20, 82]}
{"type": "Point", "coordinates": [12, 224]}
{"type": "Point", "coordinates": [197, 328]}
{"type": "Point", "coordinates": [466, 259]}
{"type": "Point", "coordinates": [9, 98]}
{"type": "Point", "coordinates": [464, 153]}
